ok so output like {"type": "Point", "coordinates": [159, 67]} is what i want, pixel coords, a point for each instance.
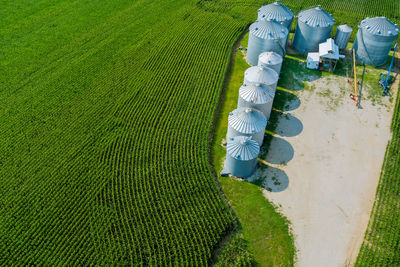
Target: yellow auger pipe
{"type": "Point", "coordinates": [355, 74]}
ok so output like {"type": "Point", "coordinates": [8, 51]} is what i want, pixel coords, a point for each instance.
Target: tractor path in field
{"type": "Point", "coordinates": [328, 156]}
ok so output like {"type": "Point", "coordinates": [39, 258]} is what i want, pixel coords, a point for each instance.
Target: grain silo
{"type": "Point", "coordinates": [266, 36]}
{"type": "Point", "coordinates": [276, 12]}
{"type": "Point", "coordinates": [262, 75]}
{"type": "Point", "coordinates": [258, 97]}
{"type": "Point", "coordinates": [247, 122]}
{"type": "Point", "coordinates": [241, 156]}
{"type": "Point", "coordinates": [271, 60]}
{"type": "Point", "coordinates": [374, 40]}
{"type": "Point", "coordinates": [314, 26]}
{"type": "Point", "coordinates": [342, 36]}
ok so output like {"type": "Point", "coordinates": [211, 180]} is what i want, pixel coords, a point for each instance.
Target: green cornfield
{"type": "Point", "coordinates": [106, 109]}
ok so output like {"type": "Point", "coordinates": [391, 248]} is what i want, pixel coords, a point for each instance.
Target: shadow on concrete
{"type": "Point", "coordinates": [279, 152]}
{"type": "Point", "coordinates": [285, 101]}
{"type": "Point", "coordinates": [271, 179]}
{"type": "Point", "coordinates": [288, 125]}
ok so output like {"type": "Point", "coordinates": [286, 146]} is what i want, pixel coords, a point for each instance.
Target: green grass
{"type": "Point", "coordinates": [261, 229]}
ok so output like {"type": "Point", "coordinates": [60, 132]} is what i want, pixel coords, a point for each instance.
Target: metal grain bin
{"type": "Point", "coordinates": [257, 97]}
{"type": "Point", "coordinates": [314, 26]}
{"type": "Point", "coordinates": [342, 36]}
{"type": "Point", "coordinates": [247, 122]}
{"type": "Point", "coordinates": [374, 40]}
{"type": "Point", "coordinates": [271, 60]}
{"type": "Point", "coordinates": [262, 75]}
{"type": "Point", "coordinates": [276, 12]}
{"type": "Point", "coordinates": [241, 156]}
{"type": "Point", "coordinates": [266, 36]}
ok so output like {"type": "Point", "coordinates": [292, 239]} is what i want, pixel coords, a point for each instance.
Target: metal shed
{"type": "Point", "coordinates": [247, 122]}
{"type": "Point", "coordinates": [261, 75]}
{"type": "Point", "coordinates": [271, 60]}
{"type": "Point", "coordinates": [266, 36]}
{"type": "Point", "coordinates": [276, 12]}
{"type": "Point", "coordinates": [374, 40]}
{"type": "Point", "coordinates": [314, 26]}
{"type": "Point", "coordinates": [241, 156]}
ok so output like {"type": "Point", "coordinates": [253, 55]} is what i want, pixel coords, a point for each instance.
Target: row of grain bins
{"type": "Point", "coordinates": [246, 124]}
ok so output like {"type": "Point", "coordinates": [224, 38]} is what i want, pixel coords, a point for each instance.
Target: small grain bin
{"type": "Point", "coordinates": [258, 97]}
{"type": "Point", "coordinates": [241, 156]}
{"type": "Point", "coordinates": [266, 36]}
{"type": "Point", "coordinates": [314, 26]}
{"type": "Point", "coordinates": [261, 75]}
{"type": "Point", "coordinates": [374, 40]}
{"type": "Point", "coordinates": [276, 12]}
{"type": "Point", "coordinates": [247, 122]}
{"type": "Point", "coordinates": [342, 36]}
{"type": "Point", "coordinates": [271, 60]}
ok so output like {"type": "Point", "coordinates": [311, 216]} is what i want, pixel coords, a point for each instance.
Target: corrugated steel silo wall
{"type": "Point", "coordinates": [372, 49]}
{"type": "Point", "coordinates": [258, 137]}
{"type": "Point", "coordinates": [342, 38]}
{"type": "Point", "coordinates": [258, 45]}
{"type": "Point", "coordinates": [264, 108]}
{"type": "Point", "coordinates": [307, 38]}
{"type": "Point", "coordinates": [240, 168]}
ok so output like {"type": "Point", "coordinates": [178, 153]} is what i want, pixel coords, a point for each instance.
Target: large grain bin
{"type": "Point", "coordinates": [241, 156]}
{"type": "Point", "coordinates": [276, 12]}
{"type": "Point", "coordinates": [342, 36]}
{"type": "Point", "coordinates": [256, 96]}
{"type": "Point", "coordinates": [314, 26]}
{"type": "Point", "coordinates": [271, 60]}
{"type": "Point", "coordinates": [266, 36]}
{"type": "Point", "coordinates": [374, 40]}
{"type": "Point", "coordinates": [247, 122]}
{"type": "Point", "coordinates": [262, 75]}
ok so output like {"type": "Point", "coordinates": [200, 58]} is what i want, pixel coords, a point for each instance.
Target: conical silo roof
{"type": "Point", "coordinates": [257, 93]}
{"type": "Point", "coordinates": [258, 74]}
{"type": "Point", "coordinates": [344, 28]}
{"type": "Point", "coordinates": [243, 148]}
{"type": "Point", "coordinates": [272, 58]}
{"type": "Point", "coordinates": [268, 30]}
{"type": "Point", "coordinates": [247, 120]}
{"type": "Point", "coordinates": [316, 17]}
{"type": "Point", "coordinates": [275, 11]}
{"type": "Point", "coordinates": [379, 26]}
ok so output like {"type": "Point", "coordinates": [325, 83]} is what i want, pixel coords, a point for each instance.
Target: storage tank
{"type": "Point", "coordinates": [241, 156]}
{"type": "Point", "coordinates": [374, 40]}
{"type": "Point", "coordinates": [247, 122]}
{"type": "Point", "coordinates": [314, 26]}
{"type": "Point", "coordinates": [258, 97]}
{"type": "Point", "coordinates": [342, 36]}
{"type": "Point", "coordinates": [276, 12]}
{"type": "Point", "coordinates": [262, 75]}
{"type": "Point", "coordinates": [271, 60]}
{"type": "Point", "coordinates": [266, 36]}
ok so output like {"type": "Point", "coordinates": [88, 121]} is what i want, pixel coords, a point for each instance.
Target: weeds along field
{"type": "Point", "coordinates": [105, 112]}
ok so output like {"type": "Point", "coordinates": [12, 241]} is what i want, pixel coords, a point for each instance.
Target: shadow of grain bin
{"type": "Point", "coordinates": [286, 101]}
{"type": "Point", "coordinates": [279, 152]}
{"type": "Point", "coordinates": [271, 179]}
{"type": "Point", "coordinates": [288, 125]}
